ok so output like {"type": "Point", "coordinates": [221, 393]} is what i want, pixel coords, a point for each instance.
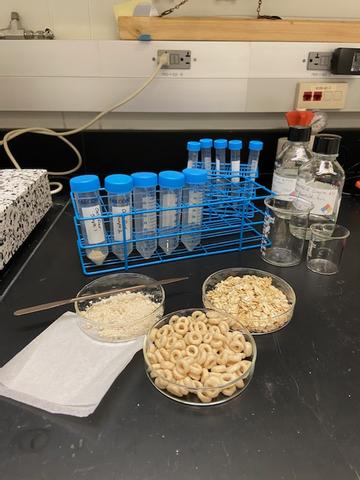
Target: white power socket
{"type": "Point", "coordinates": [321, 96]}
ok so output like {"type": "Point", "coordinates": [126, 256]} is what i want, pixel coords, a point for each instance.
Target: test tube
{"type": "Point", "coordinates": [85, 189]}
{"type": "Point", "coordinates": [193, 154]}
{"type": "Point", "coordinates": [144, 195]}
{"type": "Point", "coordinates": [206, 157]}
{"type": "Point", "coordinates": [235, 147]}
{"type": "Point", "coordinates": [255, 147]}
{"type": "Point", "coordinates": [194, 192]}
{"type": "Point", "coordinates": [220, 156]}
{"type": "Point", "coordinates": [119, 188]}
{"type": "Point", "coordinates": [171, 184]}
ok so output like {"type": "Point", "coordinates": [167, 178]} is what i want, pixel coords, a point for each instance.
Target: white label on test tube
{"type": "Point", "coordinates": [149, 219]}
{"type": "Point", "coordinates": [94, 228]}
{"type": "Point", "coordinates": [194, 215]}
{"type": "Point", "coordinates": [235, 170]}
{"type": "Point", "coordinates": [217, 162]}
{"type": "Point", "coordinates": [118, 223]}
{"type": "Point", "coordinates": [207, 163]}
{"type": "Point", "coordinates": [169, 217]}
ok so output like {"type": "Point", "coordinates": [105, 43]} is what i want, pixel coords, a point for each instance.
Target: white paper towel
{"type": "Point", "coordinates": [65, 371]}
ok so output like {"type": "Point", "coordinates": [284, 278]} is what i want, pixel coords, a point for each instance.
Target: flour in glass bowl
{"type": "Point", "coordinates": [122, 316]}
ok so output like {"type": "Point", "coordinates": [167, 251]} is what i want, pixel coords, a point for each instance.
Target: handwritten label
{"type": "Point", "coordinates": [94, 228]}
{"type": "Point", "coordinates": [283, 185]}
{"type": "Point", "coordinates": [119, 226]}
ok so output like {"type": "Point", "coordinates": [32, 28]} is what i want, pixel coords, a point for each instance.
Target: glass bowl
{"type": "Point", "coordinates": [114, 330]}
{"type": "Point", "coordinates": [256, 324]}
{"type": "Point", "coordinates": [192, 366]}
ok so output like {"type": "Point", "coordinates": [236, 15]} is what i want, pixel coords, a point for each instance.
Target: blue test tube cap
{"type": "Point", "coordinates": [235, 145]}
{"type": "Point", "coordinates": [171, 179]}
{"type": "Point", "coordinates": [144, 179]}
{"type": "Point", "coordinates": [118, 183]}
{"type": "Point", "coordinates": [206, 142]}
{"type": "Point", "coordinates": [193, 146]}
{"type": "Point", "coordinates": [220, 143]}
{"type": "Point", "coordinates": [84, 183]}
{"type": "Point", "coordinates": [195, 176]}
{"type": "Point", "coordinates": [256, 145]}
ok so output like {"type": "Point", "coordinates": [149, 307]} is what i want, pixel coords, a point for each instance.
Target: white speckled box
{"type": "Point", "coordinates": [24, 199]}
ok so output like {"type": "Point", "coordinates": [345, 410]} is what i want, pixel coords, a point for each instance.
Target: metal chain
{"type": "Point", "coordinates": [171, 10]}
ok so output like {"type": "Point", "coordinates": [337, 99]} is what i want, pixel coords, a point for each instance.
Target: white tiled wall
{"type": "Point", "coordinates": [94, 19]}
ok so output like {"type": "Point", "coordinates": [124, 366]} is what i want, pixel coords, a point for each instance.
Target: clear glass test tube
{"type": "Point", "coordinates": [235, 147]}
{"type": "Point", "coordinates": [171, 184]}
{"type": "Point", "coordinates": [85, 189]}
{"type": "Point", "coordinates": [326, 246]}
{"type": "Point", "coordinates": [194, 194]}
{"type": "Point", "coordinates": [119, 189]}
{"type": "Point", "coordinates": [193, 149]}
{"type": "Point", "coordinates": [206, 154]}
{"type": "Point", "coordinates": [144, 195]}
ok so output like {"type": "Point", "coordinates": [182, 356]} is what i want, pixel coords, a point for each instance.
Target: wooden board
{"type": "Point", "coordinates": [239, 29]}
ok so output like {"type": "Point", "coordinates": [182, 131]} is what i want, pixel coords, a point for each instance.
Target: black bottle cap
{"type": "Point", "coordinates": [299, 134]}
{"type": "Point", "coordinates": [327, 144]}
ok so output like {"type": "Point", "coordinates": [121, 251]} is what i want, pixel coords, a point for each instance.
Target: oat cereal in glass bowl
{"type": "Point", "coordinates": [258, 300]}
{"type": "Point", "coordinates": [123, 316]}
{"type": "Point", "coordinates": [194, 357]}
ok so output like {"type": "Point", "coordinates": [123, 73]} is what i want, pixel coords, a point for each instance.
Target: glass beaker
{"type": "Point", "coordinates": [285, 224]}
{"type": "Point", "coordinates": [326, 246]}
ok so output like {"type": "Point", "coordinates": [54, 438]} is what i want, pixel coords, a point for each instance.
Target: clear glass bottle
{"type": "Point", "coordinates": [294, 153]}
{"type": "Point", "coordinates": [194, 194]}
{"type": "Point", "coordinates": [321, 180]}
{"type": "Point", "coordinates": [119, 188]}
{"type": "Point", "coordinates": [171, 184]}
{"type": "Point", "coordinates": [145, 223]}
{"type": "Point", "coordinates": [85, 189]}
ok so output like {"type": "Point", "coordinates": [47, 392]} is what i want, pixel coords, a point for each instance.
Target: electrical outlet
{"type": "Point", "coordinates": [321, 96]}
{"type": "Point", "coordinates": [319, 60]}
{"type": "Point", "coordinates": [178, 59]}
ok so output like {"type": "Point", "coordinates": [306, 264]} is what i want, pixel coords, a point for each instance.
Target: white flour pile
{"type": "Point", "coordinates": [123, 316]}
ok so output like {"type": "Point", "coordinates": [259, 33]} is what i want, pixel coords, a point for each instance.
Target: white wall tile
{"type": "Point", "coordinates": [70, 18]}
{"type": "Point", "coordinates": [102, 20]}
{"type": "Point", "coordinates": [31, 119]}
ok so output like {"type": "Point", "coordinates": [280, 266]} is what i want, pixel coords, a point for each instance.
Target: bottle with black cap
{"type": "Point", "coordinates": [321, 180]}
{"type": "Point", "coordinates": [294, 153]}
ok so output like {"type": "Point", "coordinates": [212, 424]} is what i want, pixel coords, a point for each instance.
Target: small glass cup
{"type": "Point", "coordinates": [285, 224]}
{"type": "Point", "coordinates": [326, 246]}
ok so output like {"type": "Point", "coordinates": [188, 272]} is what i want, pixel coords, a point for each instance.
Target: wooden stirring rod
{"type": "Point", "coordinates": [58, 303]}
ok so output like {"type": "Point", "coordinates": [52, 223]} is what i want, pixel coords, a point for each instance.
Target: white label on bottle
{"type": "Point", "coordinates": [195, 214]}
{"type": "Point", "coordinates": [235, 170]}
{"type": "Point", "coordinates": [149, 219]}
{"type": "Point", "coordinates": [190, 164]}
{"type": "Point", "coordinates": [169, 216]}
{"type": "Point", "coordinates": [283, 185]}
{"type": "Point", "coordinates": [217, 164]}
{"type": "Point", "coordinates": [322, 195]}
{"type": "Point", "coordinates": [94, 228]}
{"type": "Point", "coordinates": [207, 163]}
{"type": "Point", "coordinates": [118, 223]}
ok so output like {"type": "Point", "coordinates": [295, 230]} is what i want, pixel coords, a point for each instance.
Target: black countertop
{"type": "Point", "coordinates": [299, 418]}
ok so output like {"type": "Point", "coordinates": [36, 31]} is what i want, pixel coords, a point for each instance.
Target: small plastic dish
{"type": "Point", "coordinates": [277, 322]}
{"type": "Point", "coordinates": [195, 393]}
{"type": "Point", "coordinates": [96, 329]}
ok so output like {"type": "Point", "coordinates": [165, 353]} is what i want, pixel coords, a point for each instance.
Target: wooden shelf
{"type": "Point", "coordinates": [238, 29]}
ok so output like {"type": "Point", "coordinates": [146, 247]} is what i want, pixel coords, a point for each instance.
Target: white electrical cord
{"type": "Point", "coordinates": [163, 60]}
